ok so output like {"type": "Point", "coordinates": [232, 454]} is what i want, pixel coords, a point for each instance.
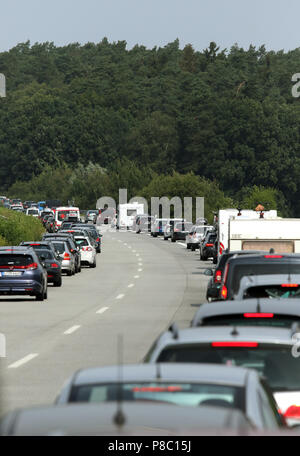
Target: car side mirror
{"type": "Point", "coordinates": [208, 272]}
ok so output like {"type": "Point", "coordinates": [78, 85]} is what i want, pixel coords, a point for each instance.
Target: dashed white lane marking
{"type": "Point", "coordinates": [129, 246]}
{"type": "Point", "coordinates": [72, 329]}
{"type": "Point", "coordinates": [22, 361]}
{"type": "Point", "coordinates": [134, 251]}
{"type": "Point", "coordinates": [131, 285]}
{"type": "Point", "coordinates": [137, 277]}
{"type": "Point", "coordinates": [181, 243]}
{"type": "Point", "coordinates": [137, 255]}
{"type": "Point", "coordinates": [120, 296]}
{"type": "Point", "coordinates": [139, 270]}
{"type": "Point", "coordinates": [125, 243]}
{"type": "Point", "coordinates": [102, 310]}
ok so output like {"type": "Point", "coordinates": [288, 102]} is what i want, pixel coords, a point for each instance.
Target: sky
{"type": "Point", "coordinates": [274, 23]}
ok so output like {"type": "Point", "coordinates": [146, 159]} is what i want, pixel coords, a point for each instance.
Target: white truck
{"type": "Point", "coordinates": [127, 214]}
{"type": "Point", "coordinates": [283, 235]}
{"type": "Point", "coordinates": [225, 215]}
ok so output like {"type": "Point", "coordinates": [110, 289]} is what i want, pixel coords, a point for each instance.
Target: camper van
{"type": "Point", "coordinates": [127, 214]}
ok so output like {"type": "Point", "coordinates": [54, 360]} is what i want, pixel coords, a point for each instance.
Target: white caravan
{"type": "Point", "coordinates": [282, 235]}
{"type": "Point", "coordinates": [231, 214]}
{"type": "Point", "coordinates": [127, 214]}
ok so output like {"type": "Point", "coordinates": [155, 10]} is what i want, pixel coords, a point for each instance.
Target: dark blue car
{"type": "Point", "coordinates": [21, 273]}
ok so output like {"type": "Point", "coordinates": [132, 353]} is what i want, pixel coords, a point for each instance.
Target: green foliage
{"type": "Point", "coordinates": [225, 115]}
{"type": "Point", "coordinates": [270, 198]}
{"type": "Point", "coordinates": [17, 227]}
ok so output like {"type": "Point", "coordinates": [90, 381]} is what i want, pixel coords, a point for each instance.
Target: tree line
{"type": "Point", "coordinates": [84, 120]}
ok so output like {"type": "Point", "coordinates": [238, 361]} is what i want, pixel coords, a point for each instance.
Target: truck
{"type": "Point", "coordinates": [127, 214]}
{"type": "Point", "coordinates": [225, 215]}
{"type": "Point", "coordinates": [281, 234]}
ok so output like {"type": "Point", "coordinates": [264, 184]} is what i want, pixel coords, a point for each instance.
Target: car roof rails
{"type": "Point", "coordinates": [173, 328]}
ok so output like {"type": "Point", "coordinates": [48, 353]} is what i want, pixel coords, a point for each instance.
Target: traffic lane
{"type": "Point", "coordinates": [26, 323]}
{"type": "Point", "coordinates": [140, 315]}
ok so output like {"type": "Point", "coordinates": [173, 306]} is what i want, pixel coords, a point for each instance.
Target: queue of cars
{"type": "Point", "coordinates": [233, 369]}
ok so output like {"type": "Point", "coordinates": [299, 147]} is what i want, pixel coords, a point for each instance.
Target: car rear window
{"type": "Point", "coordinates": [15, 260]}
{"type": "Point", "coordinates": [277, 320]}
{"type": "Point", "coordinates": [266, 268]}
{"type": "Point", "coordinates": [59, 247]}
{"type": "Point", "coordinates": [275, 362]}
{"type": "Point", "coordinates": [272, 291]}
{"type": "Point", "coordinates": [46, 254]}
{"type": "Point", "coordinates": [188, 394]}
{"type": "Point", "coordinates": [183, 226]}
{"type": "Point", "coordinates": [81, 242]}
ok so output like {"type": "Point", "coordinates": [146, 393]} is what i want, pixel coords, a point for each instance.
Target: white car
{"type": "Point", "coordinates": [88, 252]}
{"type": "Point", "coordinates": [196, 235]}
{"type": "Point", "coordinates": [33, 211]}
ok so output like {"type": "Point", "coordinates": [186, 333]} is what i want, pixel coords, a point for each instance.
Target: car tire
{"type": "Point", "coordinates": [173, 240]}
{"type": "Point", "coordinates": [39, 296]}
{"type": "Point", "coordinates": [154, 235]}
{"type": "Point", "coordinates": [57, 283]}
{"type": "Point", "coordinates": [46, 293]}
{"type": "Point", "coordinates": [93, 265]}
{"type": "Point", "coordinates": [165, 239]}
{"type": "Point", "coordinates": [69, 273]}
{"type": "Point", "coordinates": [193, 248]}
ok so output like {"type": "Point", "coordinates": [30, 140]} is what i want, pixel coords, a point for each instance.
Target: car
{"type": "Point", "coordinates": [269, 350]}
{"type": "Point", "coordinates": [196, 235]}
{"type": "Point", "coordinates": [269, 286]}
{"type": "Point", "coordinates": [88, 252]}
{"type": "Point", "coordinates": [91, 216]}
{"type": "Point", "coordinates": [143, 224]}
{"type": "Point", "coordinates": [50, 224]}
{"type": "Point", "coordinates": [179, 384]}
{"type": "Point", "coordinates": [214, 285]}
{"type": "Point", "coordinates": [280, 313]}
{"type": "Point", "coordinates": [69, 238]}
{"type": "Point", "coordinates": [33, 212]}
{"type": "Point", "coordinates": [126, 418]}
{"type": "Point", "coordinates": [180, 230]}
{"type": "Point", "coordinates": [169, 224]}
{"type": "Point", "coordinates": [157, 227]}
{"type": "Point", "coordinates": [21, 273]}
{"type": "Point", "coordinates": [65, 226]}
{"type": "Point", "coordinates": [62, 247]}
{"type": "Point", "coordinates": [206, 246]}
{"type": "Point", "coordinates": [41, 245]}
{"type": "Point", "coordinates": [92, 232]}
{"type": "Point", "coordinates": [52, 265]}
{"type": "Point", "coordinates": [239, 266]}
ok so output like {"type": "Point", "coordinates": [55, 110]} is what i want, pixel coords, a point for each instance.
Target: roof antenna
{"type": "Point", "coordinates": [158, 372]}
{"type": "Point", "coordinates": [234, 331]}
{"type": "Point", "coordinates": [258, 309]}
{"type": "Point", "coordinates": [119, 418]}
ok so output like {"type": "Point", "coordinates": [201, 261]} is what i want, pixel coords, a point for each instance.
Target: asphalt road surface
{"type": "Point", "coordinates": [140, 286]}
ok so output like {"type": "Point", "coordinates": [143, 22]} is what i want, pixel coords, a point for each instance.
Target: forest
{"type": "Point", "coordinates": [81, 121]}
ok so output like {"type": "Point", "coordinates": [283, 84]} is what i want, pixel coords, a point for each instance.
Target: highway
{"type": "Point", "coordinates": [140, 286]}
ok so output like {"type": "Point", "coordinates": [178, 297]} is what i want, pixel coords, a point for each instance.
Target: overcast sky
{"type": "Point", "coordinates": [274, 23]}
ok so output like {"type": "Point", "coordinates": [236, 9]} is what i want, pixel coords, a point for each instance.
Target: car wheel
{"type": "Point", "coordinates": [173, 240]}
{"type": "Point", "coordinates": [98, 250]}
{"type": "Point", "coordinates": [165, 239]}
{"type": "Point", "coordinates": [46, 294]}
{"type": "Point", "coordinates": [69, 273]}
{"type": "Point", "coordinates": [39, 297]}
{"type": "Point", "coordinates": [57, 283]}
{"type": "Point", "coordinates": [154, 235]}
{"type": "Point", "coordinates": [93, 265]}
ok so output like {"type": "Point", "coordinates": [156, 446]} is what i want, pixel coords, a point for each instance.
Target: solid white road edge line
{"type": "Point", "coordinates": [72, 329]}
{"type": "Point", "coordinates": [131, 285]}
{"type": "Point", "coordinates": [120, 296]}
{"type": "Point", "coordinates": [22, 361]}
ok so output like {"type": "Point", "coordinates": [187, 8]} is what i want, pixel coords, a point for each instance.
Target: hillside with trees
{"type": "Point", "coordinates": [83, 121]}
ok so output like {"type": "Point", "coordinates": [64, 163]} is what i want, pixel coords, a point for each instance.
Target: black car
{"type": "Point", "coordinates": [21, 273]}
{"type": "Point", "coordinates": [40, 245]}
{"type": "Point", "coordinates": [246, 265]}
{"type": "Point", "coordinates": [69, 239]}
{"type": "Point", "coordinates": [207, 246]}
{"type": "Point", "coordinates": [52, 265]}
{"type": "Point", "coordinates": [214, 284]}
{"type": "Point", "coordinates": [180, 230]}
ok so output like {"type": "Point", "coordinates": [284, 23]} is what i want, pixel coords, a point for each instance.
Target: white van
{"type": "Point", "coordinates": [127, 214]}
{"type": "Point", "coordinates": [63, 213]}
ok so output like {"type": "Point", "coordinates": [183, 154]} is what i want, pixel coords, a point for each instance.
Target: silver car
{"type": "Point", "coordinates": [196, 235]}
{"type": "Point", "coordinates": [269, 286]}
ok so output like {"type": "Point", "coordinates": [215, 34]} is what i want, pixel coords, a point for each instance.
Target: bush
{"type": "Point", "coordinates": [16, 227]}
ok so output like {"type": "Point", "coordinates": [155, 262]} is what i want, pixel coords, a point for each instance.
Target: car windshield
{"type": "Point", "coordinates": [272, 291]}
{"type": "Point", "coordinates": [59, 247]}
{"type": "Point", "coordinates": [81, 242]}
{"type": "Point", "coordinates": [275, 362]}
{"type": "Point", "coordinates": [277, 320]}
{"type": "Point", "coordinates": [46, 254]}
{"type": "Point", "coordinates": [14, 260]}
{"type": "Point", "coordinates": [188, 394]}
{"type": "Point", "coordinates": [33, 211]}
{"type": "Point", "coordinates": [183, 226]}
{"type": "Point", "coordinates": [266, 268]}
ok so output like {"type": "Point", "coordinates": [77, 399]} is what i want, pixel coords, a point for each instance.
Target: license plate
{"type": "Point", "coordinates": [11, 273]}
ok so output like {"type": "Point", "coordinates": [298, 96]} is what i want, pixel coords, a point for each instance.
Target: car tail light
{"type": "Point", "coordinates": [31, 267]}
{"type": "Point", "coordinates": [290, 285]}
{"type": "Point", "coordinates": [235, 344]}
{"type": "Point", "coordinates": [98, 239]}
{"type": "Point", "coordinates": [273, 256]}
{"type": "Point", "coordinates": [258, 315]}
{"type": "Point", "coordinates": [209, 245]}
{"type": "Point", "coordinates": [224, 292]}
{"type": "Point", "coordinates": [293, 412]}
{"type": "Point", "coordinates": [66, 256]}
{"type": "Point", "coordinates": [50, 276]}
{"type": "Point", "coordinates": [54, 265]}
{"type": "Point", "coordinates": [218, 276]}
